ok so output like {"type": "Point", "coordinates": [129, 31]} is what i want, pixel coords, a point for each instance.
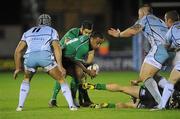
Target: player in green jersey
{"type": "Point", "coordinates": [69, 37]}
{"type": "Point", "coordinates": [85, 29]}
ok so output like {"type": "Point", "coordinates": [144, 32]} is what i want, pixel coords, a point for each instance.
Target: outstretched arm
{"type": "Point", "coordinates": [126, 33]}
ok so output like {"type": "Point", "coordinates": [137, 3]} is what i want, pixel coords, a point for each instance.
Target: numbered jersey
{"type": "Point", "coordinates": [154, 29]}
{"type": "Point", "coordinates": [77, 48]}
{"type": "Point", "coordinates": [71, 34]}
{"type": "Point", "coordinates": [173, 36]}
{"type": "Point", "coordinates": [39, 38]}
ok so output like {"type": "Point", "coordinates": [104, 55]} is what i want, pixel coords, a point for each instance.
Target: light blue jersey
{"type": "Point", "coordinates": [173, 36]}
{"type": "Point", "coordinates": [154, 29]}
{"type": "Point", "coordinates": [39, 38]}
{"type": "Point", "coordinates": [39, 53]}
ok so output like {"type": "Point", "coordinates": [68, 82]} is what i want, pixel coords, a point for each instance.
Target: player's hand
{"type": "Point", "coordinates": [91, 73]}
{"type": "Point", "coordinates": [63, 71]}
{"type": "Point", "coordinates": [114, 32]}
{"type": "Point", "coordinates": [16, 72]}
{"type": "Point", "coordinates": [134, 82]}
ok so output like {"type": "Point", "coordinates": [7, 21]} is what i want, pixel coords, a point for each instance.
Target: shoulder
{"type": "Point", "coordinates": [74, 30]}
{"type": "Point", "coordinates": [83, 38]}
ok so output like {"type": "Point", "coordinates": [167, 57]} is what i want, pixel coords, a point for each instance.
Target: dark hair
{"type": "Point", "coordinates": [87, 25]}
{"type": "Point", "coordinates": [173, 15]}
{"type": "Point", "coordinates": [96, 34]}
{"type": "Point", "coordinates": [148, 6]}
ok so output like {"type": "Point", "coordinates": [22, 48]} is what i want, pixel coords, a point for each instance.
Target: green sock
{"type": "Point", "coordinates": [74, 87]}
{"type": "Point", "coordinates": [100, 86]}
{"type": "Point", "coordinates": [111, 105]}
{"type": "Point", "coordinates": [56, 90]}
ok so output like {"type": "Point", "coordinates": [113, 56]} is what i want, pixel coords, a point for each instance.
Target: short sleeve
{"type": "Point", "coordinates": [168, 37]}
{"type": "Point", "coordinates": [142, 21]}
{"type": "Point", "coordinates": [54, 35]}
{"type": "Point", "coordinates": [23, 38]}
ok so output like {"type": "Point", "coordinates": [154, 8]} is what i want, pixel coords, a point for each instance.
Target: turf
{"type": "Point", "coordinates": [36, 106]}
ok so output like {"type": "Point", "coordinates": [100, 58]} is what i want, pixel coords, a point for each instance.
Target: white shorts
{"type": "Point", "coordinates": [177, 65]}
{"type": "Point", "coordinates": [156, 56]}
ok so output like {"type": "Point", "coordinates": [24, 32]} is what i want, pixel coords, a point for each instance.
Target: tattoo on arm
{"type": "Point", "coordinates": [136, 27]}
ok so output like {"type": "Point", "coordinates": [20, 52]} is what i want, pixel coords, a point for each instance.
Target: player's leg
{"type": "Point", "coordinates": [118, 105]}
{"type": "Point", "coordinates": [146, 74]}
{"type": "Point", "coordinates": [151, 65]}
{"type": "Point", "coordinates": [129, 90]}
{"type": "Point", "coordinates": [53, 101]}
{"type": "Point", "coordinates": [24, 89]}
{"type": "Point", "coordinates": [56, 74]}
{"type": "Point", "coordinates": [74, 87]}
{"type": "Point", "coordinates": [169, 87]}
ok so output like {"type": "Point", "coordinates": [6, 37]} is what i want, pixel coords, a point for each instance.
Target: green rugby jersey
{"type": "Point", "coordinates": [77, 48]}
{"type": "Point", "coordinates": [71, 34]}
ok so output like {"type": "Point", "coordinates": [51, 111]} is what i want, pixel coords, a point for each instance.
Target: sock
{"type": "Point", "coordinates": [56, 90]}
{"type": "Point", "coordinates": [167, 92]}
{"type": "Point", "coordinates": [74, 87]}
{"type": "Point", "coordinates": [111, 105]}
{"type": "Point", "coordinates": [152, 87]}
{"type": "Point", "coordinates": [67, 94]}
{"type": "Point", "coordinates": [162, 82]}
{"type": "Point", "coordinates": [100, 86]}
{"type": "Point", "coordinates": [24, 90]}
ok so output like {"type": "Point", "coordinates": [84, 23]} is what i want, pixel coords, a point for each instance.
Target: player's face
{"type": "Point", "coordinates": [96, 42]}
{"type": "Point", "coordinates": [167, 21]}
{"type": "Point", "coordinates": [86, 32]}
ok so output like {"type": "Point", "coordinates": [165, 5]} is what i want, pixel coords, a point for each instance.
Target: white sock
{"type": "Point", "coordinates": [24, 90]}
{"type": "Point", "coordinates": [67, 94]}
{"type": "Point", "coordinates": [152, 87]}
{"type": "Point", "coordinates": [167, 92]}
{"type": "Point", "coordinates": [162, 82]}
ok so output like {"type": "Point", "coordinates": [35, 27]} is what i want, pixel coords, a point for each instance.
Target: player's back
{"type": "Point", "coordinates": [154, 29]}
{"type": "Point", "coordinates": [173, 35]}
{"type": "Point", "coordinates": [39, 38]}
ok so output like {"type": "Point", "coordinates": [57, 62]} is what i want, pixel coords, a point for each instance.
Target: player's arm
{"type": "Point", "coordinates": [133, 30]}
{"type": "Point", "coordinates": [17, 57]}
{"type": "Point", "coordinates": [57, 52]}
{"type": "Point", "coordinates": [90, 57]}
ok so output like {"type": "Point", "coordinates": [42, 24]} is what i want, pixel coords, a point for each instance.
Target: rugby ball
{"type": "Point", "coordinates": [94, 67]}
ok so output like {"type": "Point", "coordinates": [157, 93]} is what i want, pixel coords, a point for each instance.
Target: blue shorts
{"type": "Point", "coordinates": [157, 56]}
{"type": "Point", "coordinates": [42, 59]}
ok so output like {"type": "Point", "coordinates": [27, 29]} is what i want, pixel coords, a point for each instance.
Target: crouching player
{"type": "Point", "coordinates": [84, 100]}
{"type": "Point", "coordinates": [42, 50]}
{"type": "Point", "coordinates": [74, 52]}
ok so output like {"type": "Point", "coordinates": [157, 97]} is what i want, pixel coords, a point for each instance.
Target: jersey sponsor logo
{"type": "Point", "coordinates": [71, 41]}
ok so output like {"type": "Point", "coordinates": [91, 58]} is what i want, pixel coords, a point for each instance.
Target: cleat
{"type": "Point", "coordinates": [87, 86]}
{"type": "Point", "coordinates": [18, 109]}
{"type": "Point", "coordinates": [86, 104]}
{"type": "Point", "coordinates": [76, 103]}
{"type": "Point", "coordinates": [73, 108]}
{"type": "Point", "coordinates": [96, 106]}
{"type": "Point", "coordinates": [104, 105]}
{"type": "Point", "coordinates": [52, 103]}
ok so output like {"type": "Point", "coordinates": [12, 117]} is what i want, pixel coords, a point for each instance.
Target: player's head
{"type": "Point", "coordinates": [171, 17]}
{"type": "Point", "coordinates": [86, 28]}
{"type": "Point", "coordinates": [145, 10]}
{"type": "Point", "coordinates": [44, 19]}
{"type": "Point", "coordinates": [96, 39]}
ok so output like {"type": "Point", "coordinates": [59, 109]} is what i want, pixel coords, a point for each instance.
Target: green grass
{"type": "Point", "coordinates": [36, 106]}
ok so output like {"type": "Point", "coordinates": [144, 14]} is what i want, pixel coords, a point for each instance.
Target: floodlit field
{"type": "Point", "coordinates": [36, 106]}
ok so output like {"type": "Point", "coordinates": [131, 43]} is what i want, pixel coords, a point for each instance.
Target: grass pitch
{"type": "Point", "coordinates": [36, 106]}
